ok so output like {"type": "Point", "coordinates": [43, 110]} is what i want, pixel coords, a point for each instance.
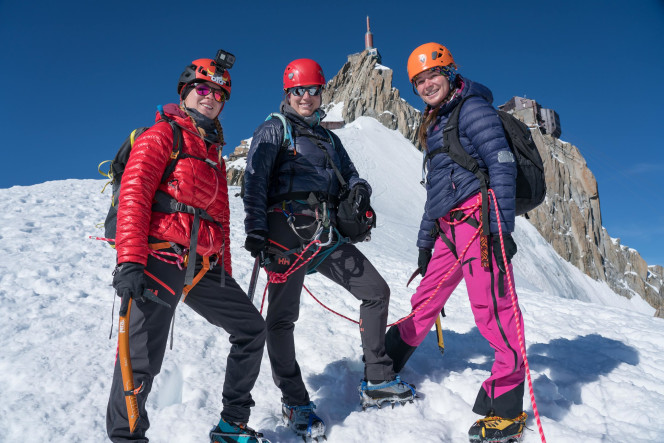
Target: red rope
{"type": "Point", "coordinates": [331, 310]}
{"type": "Point", "coordinates": [421, 306]}
{"type": "Point", "coordinates": [522, 344]}
{"type": "Point", "coordinates": [177, 258]}
{"type": "Point", "coordinates": [281, 277]}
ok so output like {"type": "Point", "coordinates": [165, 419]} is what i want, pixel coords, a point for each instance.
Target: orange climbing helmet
{"type": "Point", "coordinates": [427, 56]}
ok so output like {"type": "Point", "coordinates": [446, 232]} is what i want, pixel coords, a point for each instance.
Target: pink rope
{"type": "Point", "coordinates": [522, 344]}
{"type": "Point", "coordinates": [422, 305]}
{"type": "Point", "coordinates": [281, 277]}
{"type": "Point", "coordinates": [177, 259]}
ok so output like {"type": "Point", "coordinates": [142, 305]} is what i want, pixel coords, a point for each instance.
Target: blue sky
{"type": "Point", "coordinates": [80, 75]}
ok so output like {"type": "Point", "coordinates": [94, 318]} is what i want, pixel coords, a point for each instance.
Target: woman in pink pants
{"type": "Point", "coordinates": [449, 229]}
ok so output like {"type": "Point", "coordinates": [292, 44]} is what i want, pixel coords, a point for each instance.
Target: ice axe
{"type": "Point", "coordinates": [125, 357]}
{"type": "Point", "coordinates": [439, 327]}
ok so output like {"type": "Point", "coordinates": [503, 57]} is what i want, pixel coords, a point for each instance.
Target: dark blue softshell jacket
{"type": "Point", "coordinates": [273, 171]}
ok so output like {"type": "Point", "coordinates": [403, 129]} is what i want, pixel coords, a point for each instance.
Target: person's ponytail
{"type": "Point", "coordinates": [428, 116]}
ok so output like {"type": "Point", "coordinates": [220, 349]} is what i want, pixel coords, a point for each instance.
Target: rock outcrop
{"type": "Point", "coordinates": [364, 87]}
{"type": "Point", "coordinates": [570, 219]}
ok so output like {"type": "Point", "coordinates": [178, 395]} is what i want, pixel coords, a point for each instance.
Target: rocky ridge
{"type": "Point", "coordinates": [364, 88]}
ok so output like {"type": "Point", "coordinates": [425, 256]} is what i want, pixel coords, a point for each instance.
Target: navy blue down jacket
{"type": "Point", "coordinates": [448, 185]}
{"type": "Point", "coordinates": [273, 172]}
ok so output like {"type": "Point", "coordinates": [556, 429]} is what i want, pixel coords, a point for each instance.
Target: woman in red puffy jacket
{"type": "Point", "coordinates": [174, 199]}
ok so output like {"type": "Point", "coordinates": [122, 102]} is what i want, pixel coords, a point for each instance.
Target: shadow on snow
{"type": "Point", "coordinates": [569, 363]}
{"type": "Point", "coordinates": [572, 364]}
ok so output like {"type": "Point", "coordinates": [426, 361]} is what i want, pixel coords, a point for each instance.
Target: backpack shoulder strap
{"type": "Point", "coordinates": [176, 150]}
{"type": "Point", "coordinates": [452, 146]}
{"type": "Point", "coordinates": [288, 129]}
{"type": "Point", "coordinates": [318, 141]}
{"type": "Point", "coordinates": [329, 134]}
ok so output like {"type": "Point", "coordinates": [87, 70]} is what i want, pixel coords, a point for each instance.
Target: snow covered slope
{"type": "Point", "coordinates": [597, 359]}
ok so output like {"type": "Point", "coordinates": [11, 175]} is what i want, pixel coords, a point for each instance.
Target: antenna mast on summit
{"type": "Point", "coordinates": [368, 37]}
{"type": "Point", "coordinates": [368, 43]}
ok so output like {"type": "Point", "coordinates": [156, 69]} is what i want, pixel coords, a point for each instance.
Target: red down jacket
{"type": "Point", "coordinates": [194, 182]}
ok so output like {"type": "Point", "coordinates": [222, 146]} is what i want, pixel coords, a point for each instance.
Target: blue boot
{"type": "Point", "coordinates": [230, 432]}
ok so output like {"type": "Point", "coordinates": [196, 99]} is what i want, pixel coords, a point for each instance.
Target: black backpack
{"type": "Point", "coordinates": [530, 180]}
{"type": "Point", "coordinates": [119, 162]}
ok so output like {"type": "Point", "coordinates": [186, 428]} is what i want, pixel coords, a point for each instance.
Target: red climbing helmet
{"type": "Point", "coordinates": [303, 72]}
{"type": "Point", "coordinates": [206, 69]}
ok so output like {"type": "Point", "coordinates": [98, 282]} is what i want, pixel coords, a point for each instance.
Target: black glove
{"type": "Point", "coordinates": [423, 260]}
{"type": "Point", "coordinates": [256, 242]}
{"type": "Point", "coordinates": [129, 282]}
{"type": "Point", "coordinates": [361, 198]}
{"type": "Point", "coordinates": [510, 250]}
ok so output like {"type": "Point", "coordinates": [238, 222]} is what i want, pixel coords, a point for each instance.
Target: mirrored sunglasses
{"type": "Point", "coordinates": [300, 90]}
{"type": "Point", "coordinates": [204, 90]}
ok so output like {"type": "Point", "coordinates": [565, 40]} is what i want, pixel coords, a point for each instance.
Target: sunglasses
{"type": "Point", "coordinates": [300, 90]}
{"type": "Point", "coordinates": [204, 90]}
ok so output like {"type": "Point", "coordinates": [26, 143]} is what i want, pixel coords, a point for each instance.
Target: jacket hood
{"type": "Point", "coordinates": [468, 87]}
{"type": "Point", "coordinates": [173, 110]}
{"type": "Point", "coordinates": [474, 88]}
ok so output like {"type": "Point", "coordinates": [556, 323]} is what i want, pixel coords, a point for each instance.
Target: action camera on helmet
{"type": "Point", "coordinates": [224, 60]}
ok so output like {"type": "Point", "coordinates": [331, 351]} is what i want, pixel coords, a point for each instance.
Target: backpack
{"type": "Point", "coordinates": [351, 225]}
{"type": "Point", "coordinates": [530, 180]}
{"type": "Point", "coordinates": [118, 164]}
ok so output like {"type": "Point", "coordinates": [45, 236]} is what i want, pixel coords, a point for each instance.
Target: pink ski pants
{"type": "Point", "coordinates": [490, 301]}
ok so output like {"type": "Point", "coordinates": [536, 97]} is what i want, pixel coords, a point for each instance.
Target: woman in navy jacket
{"type": "Point", "coordinates": [450, 226]}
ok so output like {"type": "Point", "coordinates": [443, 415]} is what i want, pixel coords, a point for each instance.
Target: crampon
{"type": "Point", "coordinates": [393, 391]}
{"type": "Point", "coordinates": [304, 422]}
{"type": "Point", "coordinates": [493, 429]}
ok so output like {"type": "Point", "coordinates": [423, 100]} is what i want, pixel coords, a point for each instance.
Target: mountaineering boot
{"type": "Point", "coordinates": [303, 421]}
{"type": "Point", "coordinates": [392, 391]}
{"type": "Point", "coordinates": [492, 429]}
{"type": "Point", "coordinates": [397, 349]}
{"type": "Point", "coordinates": [230, 432]}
